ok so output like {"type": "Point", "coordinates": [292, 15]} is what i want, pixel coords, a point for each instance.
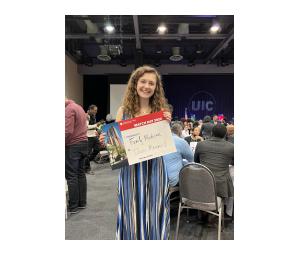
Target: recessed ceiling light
{"type": "Point", "coordinates": [162, 29]}
{"type": "Point", "coordinates": [215, 28]}
{"type": "Point", "coordinates": [109, 28]}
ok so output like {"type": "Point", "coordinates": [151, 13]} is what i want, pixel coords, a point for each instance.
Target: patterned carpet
{"type": "Point", "coordinates": [98, 220]}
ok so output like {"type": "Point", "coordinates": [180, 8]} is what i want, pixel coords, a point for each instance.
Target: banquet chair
{"type": "Point", "coordinates": [197, 188]}
{"type": "Point", "coordinates": [174, 196]}
{"type": "Point", "coordinates": [173, 190]}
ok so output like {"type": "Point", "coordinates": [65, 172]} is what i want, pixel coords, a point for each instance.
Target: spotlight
{"type": "Point", "coordinates": [109, 28]}
{"type": "Point", "coordinates": [162, 29]}
{"type": "Point", "coordinates": [176, 56]}
{"type": "Point", "coordinates": [215, 28]}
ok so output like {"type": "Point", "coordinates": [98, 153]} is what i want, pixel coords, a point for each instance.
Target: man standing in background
{"type": "Point", "coordinates": [92, 134]}
{"type": "Point", "coordinates": [76, 147]}
{"type": "Point", "coordinates": [215, 119]}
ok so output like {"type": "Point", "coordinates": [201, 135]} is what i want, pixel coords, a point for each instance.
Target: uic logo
{"type": "Point", "coordinates": [202, 101]}
{"type": "Point", "coordinates": [202, 105]}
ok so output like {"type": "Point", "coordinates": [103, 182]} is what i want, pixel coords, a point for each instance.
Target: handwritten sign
{"type": "Point", "coordinates": [146, 137]}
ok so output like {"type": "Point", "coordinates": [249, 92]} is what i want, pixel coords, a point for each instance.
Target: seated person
{"type": "Point", "coordinates": [185, 132]}
{"type": "Point", "coordinates": [194, 137]}
{"type": "Point", "coordinates": [206, 127]}
{"type": "Point", "coordinates": [196, 124]}
{"type": "Point", "coordinates": [230, 133]}
{"type": "Point", "coordinates": [174, 161]}
{"type": "Point", "coordinates": [217, 154]}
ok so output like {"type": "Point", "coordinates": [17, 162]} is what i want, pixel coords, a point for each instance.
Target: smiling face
{"type": "Point", "coordinates": [146, 85]}
{"type": "Point", "coordinates": [196, 131]}
{"type": "Point", "coordinates": [93, 111]}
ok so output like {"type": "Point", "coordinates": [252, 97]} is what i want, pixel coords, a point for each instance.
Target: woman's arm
{"type": "Point", "coordinates": [119, 114]}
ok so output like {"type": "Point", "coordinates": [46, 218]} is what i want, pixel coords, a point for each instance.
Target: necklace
{"type": "Point", "coordinates": [147, 111]}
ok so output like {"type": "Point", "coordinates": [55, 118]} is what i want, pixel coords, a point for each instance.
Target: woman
{"type": "Point", "coordinates": [195, 136]}
{"type": "Point", "coordinates": [143, 196]}
{"type": "Point", "coordinates": [185, 132]}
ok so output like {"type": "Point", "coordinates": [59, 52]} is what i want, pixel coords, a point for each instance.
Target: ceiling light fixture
{"type": "Point", "coordinates": [215, 28]}
{"type": "Point", "coordinates": [176, 56]}
{"type": "Point", "coordinates": [162, 29]}
{"type": "Point", "coordinates": [103, 56]}
{"type": "Point", "coordinates": [109, 28]}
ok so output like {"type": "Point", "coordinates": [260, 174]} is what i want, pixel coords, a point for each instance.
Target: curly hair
{"type": "Point", "coordinates": [131, 101]}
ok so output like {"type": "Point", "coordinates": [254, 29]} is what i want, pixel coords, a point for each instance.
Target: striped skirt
{"type": "Point", "coordinates": [143, 202]}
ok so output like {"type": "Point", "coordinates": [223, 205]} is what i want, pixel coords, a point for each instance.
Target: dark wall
{"type": "Point", "coordinates": [96, 91]}
{"type": "Point", "coordinates": [194, 92]}
{"type": "Point", "coordinates": [200, 95]}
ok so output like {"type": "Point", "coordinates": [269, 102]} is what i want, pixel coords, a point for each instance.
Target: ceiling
{"type": "Point", "coordinates": [136, 40]}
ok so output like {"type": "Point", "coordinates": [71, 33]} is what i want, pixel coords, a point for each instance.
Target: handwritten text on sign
{"type": "Point", "coordinates": [147, 137]}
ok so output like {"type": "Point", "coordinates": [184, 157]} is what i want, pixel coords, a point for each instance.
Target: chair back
{"type": "Point", "coordinates": [197, 185]}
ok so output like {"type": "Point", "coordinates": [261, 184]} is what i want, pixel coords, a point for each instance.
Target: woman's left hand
{"type": "Point", "coordinates": [102, 138]}
{"type": "Point", "coordinates": [168, 116]}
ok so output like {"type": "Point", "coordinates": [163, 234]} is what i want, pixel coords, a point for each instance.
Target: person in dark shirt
{"type": "Point", "coordinates": [215, 119]}
{"type": "Point", "coordinates": [206, 127]}
{"type": "Point", "coordinates": [217, 154]}
{"type": "Point", "coordinates": [93, 140]}
{"type": "Point", "coordinates": [196, 124]}
{"type": "Point", "coordinates": [194, 137]}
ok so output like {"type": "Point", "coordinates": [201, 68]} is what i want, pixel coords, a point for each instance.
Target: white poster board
{"type": "Point", "coordinates": [116, 97]}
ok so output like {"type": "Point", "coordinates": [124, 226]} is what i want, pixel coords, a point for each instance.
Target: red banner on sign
{"type": "Point", "coordinates": [141, 121]}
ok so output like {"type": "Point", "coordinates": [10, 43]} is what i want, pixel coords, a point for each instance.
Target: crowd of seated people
{"type": "Point", "coordinates": [217, 154]}
{"type": "Point", "coordinates": [212, 141]}
{"type": "Point", "coordinates": [214, 148]}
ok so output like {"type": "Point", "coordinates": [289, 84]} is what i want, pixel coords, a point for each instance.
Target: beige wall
{"type": "Point", "coordinates": [73, 81]}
